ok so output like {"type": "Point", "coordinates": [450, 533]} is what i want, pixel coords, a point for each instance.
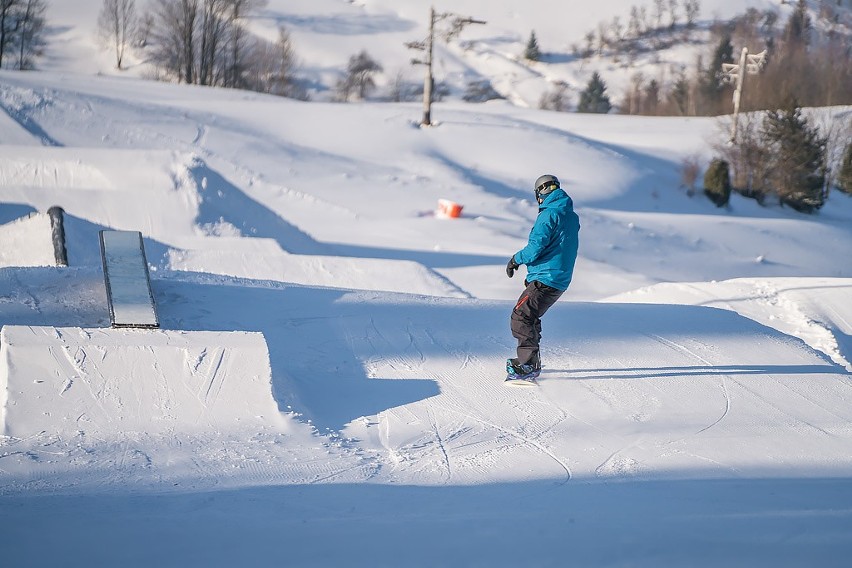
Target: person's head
{"type": "Point", "coordinates": [544, 185]}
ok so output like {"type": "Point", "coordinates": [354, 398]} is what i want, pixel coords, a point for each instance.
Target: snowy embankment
{"type": "Point", "coordinates": [816, 310]}
{"type": "Point", "coordinates": [322, 326]}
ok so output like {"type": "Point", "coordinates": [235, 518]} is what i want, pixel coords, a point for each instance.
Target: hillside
{"type": "Point", "coordinates": [326, 33]}
{"type": "Point", "coordinates": [326, 386]}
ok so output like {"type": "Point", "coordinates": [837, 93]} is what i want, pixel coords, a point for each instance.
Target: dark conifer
{"type": "Point", "coordinates": [717, 182]}
{"type": "Point", "coordinates": [798, 158]}
{"type": "Point", "coordinates": [594, 98]}
{"type": "Point", "coordinates": [532, 52]}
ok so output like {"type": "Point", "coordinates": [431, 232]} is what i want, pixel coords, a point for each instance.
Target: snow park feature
{"type": "Point", "coordinates": [127, 281]}
{"type": "Point", "coordinates": [110, 384]}
{"type": "Point", "coordinates": [325, 387]}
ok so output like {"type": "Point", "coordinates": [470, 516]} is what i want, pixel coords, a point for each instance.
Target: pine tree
{"type": "Point", "coordinates": [717, 182]}
{"type": "Point", "coordinates": [679, 95]}
{"type": "Point", "coordinates": [651, 98]}
{"type": "Point", "coordinates": [532, 51]}
{"type": "Point", "coordinates": [710, 85]}
{"type": "Point", "coordinates": [798, 164]}
{"type": "Point", "coordinates": [594, 98]}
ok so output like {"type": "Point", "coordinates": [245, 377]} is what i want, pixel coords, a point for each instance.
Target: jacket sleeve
{"type": "Point", "coordinates": [540, 236]}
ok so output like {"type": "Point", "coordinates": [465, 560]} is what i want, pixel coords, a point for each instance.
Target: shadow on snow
{"type": "Point", "coordinates": [689, 522]}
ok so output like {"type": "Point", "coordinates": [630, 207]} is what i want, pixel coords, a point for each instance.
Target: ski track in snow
{"type": "Point", "coordinates": [752, 391]}
{"type": "Point", "coordinates": [460, 399]}
{"type": "Point", "coordinates": [722, 379]}
{"type": "Point", "coordinates": [466, 384]}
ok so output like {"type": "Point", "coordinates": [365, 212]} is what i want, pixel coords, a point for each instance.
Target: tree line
{"type": "Point", "coordinates": [816, 71]}
{"type": "Point", "coordinates": [22, 27]}
{"type": "Point", "coordinates": [779, 154]}
{"type": "Point", "coordinates": [201, 42]}
{"type": "Point", "coordinates": [648, 28]}
{"type": "Point", "coordinates": [814, 68]}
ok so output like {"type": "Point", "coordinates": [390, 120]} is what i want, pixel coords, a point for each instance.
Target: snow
{"type": "Point", "coordinates": [32, 234]}
{"type": "Point", "coordinates": [326, 386]}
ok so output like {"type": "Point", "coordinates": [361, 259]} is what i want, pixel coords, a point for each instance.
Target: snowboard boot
{"type": "Point", "coordinates": [529, 370]}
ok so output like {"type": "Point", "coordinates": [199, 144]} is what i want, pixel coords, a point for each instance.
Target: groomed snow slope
{"type": "Point", "coordinates": [326, 386]}
{"type": "Point", "coordinates": [682, 426]}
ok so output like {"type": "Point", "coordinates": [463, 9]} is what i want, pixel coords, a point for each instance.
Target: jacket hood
{"type": "Point", "coordinates": [557, 198]}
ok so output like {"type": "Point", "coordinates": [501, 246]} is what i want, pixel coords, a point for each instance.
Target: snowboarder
{"type": "Point", "coordinates": [549, 256]}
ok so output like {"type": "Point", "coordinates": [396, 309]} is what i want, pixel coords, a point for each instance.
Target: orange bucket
{"type": "Point", "coordinates": [447, 208]}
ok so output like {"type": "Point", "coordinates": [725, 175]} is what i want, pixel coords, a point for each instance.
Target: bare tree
{"type": "Point", "coordinates": [274, 66]}
{"type": "Point", "coordinates": [617, 30]}
{"type": "Point", "coordinates": [213, 27]}
{"type": "Point", "coordinates": [287, 62]}
{"type": "Point", "coordinates": [672, 13]}
{"type": "Point", "coordinates": [144, 28]}
{"type": "Point", "coordinates": [30, 27]}
{"type": "Point", "coordinates": [174, 37]}
{"type": "Point", "coordinates": [206, 42]}
{"type": "Point", "coordinates": [634, 102]}
{"type": "Point", "coordinates": [589, 39]}
{"type": "Point", "coordinates": [403, 90]}
{"type": "Point", "coordinates": [659, 11]}
{"type": "Point", "coordinates": [556, 99]}
{"type": "Point", "coordinates": [187, 14]}
{"type": "Point", "coordinates": [8, 11]}
{"type": "Point", "coordinates": [691, 9]}
{"type": "Point", "coordinates": [634, 25]}
{"type": "Point", "coordinates": [116, 26]}
{"type": "Point", "coordinates": [238, 39]}
{"type": "Point", "coordinates": [171, 49]}
{"type": "Point", "coordinates": [359, 76]}
{"type": "Point", "coordinates": [603, 37]}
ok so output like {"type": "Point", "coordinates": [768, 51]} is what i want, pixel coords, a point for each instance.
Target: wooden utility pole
{"type": "Point", "coordinates": [427, 46]}
{"type": "Point", "coordinates": [736, 72]}
{"type": "Point", "coordinates": [429, 80]}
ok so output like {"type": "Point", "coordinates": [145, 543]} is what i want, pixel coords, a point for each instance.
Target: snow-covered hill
{"type": "Point", "coordinates": [326, 388]}
{"type": "Point", "coordinates": [326, 33]}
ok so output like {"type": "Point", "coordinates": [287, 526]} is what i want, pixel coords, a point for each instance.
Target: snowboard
{"type": "Point", "coordinates": [522, 380]}
{"type": "Point", "coordinates": [516, 380]}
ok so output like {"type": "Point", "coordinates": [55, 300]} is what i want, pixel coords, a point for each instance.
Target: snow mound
{"type": "Point", "coordinates": [107, 383]}
{"type": "Point", "coordinates": [26, 241]}
{"type": "Point", "coordinates": [133, 190]}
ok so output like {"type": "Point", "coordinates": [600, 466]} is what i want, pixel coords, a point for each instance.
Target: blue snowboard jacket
{"type": "Point", "coordinates": [551, 251]}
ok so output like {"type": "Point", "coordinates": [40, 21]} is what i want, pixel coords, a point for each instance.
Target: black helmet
{"type": "Point", "coordinates": [544, 185]}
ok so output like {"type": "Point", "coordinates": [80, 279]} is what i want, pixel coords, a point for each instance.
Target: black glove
{"type": "Point", "coordinates": [512, 267]}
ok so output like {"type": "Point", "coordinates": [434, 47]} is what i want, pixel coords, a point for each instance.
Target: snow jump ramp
{"type": "Point", "coordinates": [111, 382]}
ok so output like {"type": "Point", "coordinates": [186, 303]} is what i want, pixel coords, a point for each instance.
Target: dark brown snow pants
{"type": "Point", "coordinates": [526, 318]}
